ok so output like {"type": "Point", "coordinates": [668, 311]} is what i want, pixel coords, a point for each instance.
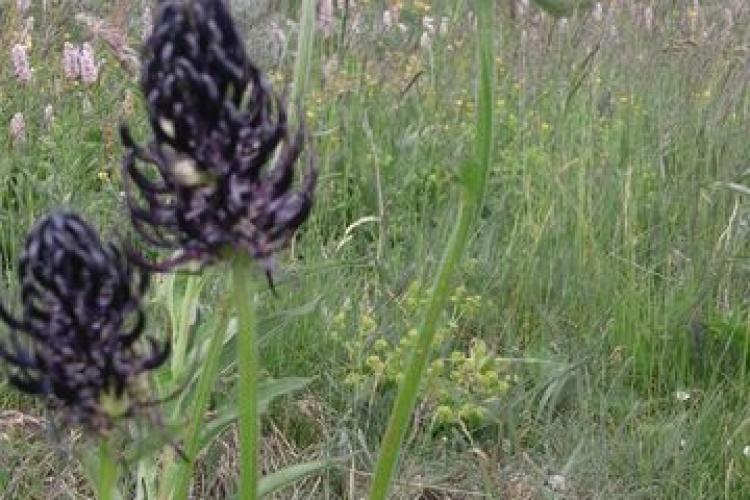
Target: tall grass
{"type": "Point", "coordinates": [612, 247]}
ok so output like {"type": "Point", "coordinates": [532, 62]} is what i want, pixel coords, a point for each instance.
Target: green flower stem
{"type": "Point", "coordinates": [474, 177]}
{"type": "Point", "coordinates": [407, 394]}
{"type": "Point", "coordinates": [107, 472]}
{"type": "Point", "coordinates": [247, 365]}
{"type": "Point", "coordinates": [206, 382]}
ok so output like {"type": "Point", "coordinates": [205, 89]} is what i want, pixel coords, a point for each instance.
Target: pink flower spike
{"type": "Point", "coordinates": [87, 64]}
{"type": "Point", "coordinates": [71, 69]}
{"type": "Point", "coordinates": [21, 65]}
{"type": "Point", "coordinates": [18, 129]}
{"type": "Point", "coordinates": [22, 6]}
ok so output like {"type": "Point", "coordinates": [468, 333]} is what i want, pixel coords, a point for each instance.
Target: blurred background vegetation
{"type": "Point", "coordinates": [597, 344]}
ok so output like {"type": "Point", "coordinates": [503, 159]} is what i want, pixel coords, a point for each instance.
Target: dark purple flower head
{"type": "Point", "coordinates": [219, 173]}
{"type": "Point", "coordinates": [77, 340]}
{"type": "Point", "coordinates": [197, 77]}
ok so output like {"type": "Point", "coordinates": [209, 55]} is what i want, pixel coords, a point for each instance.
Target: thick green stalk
{"type": "Point", "coordinates": [206, 382]}
{"type": "Point", "coordinates": [474, 177]}
{"type": "Point", "coordinates": [107, 471]}
{"type": "Point", "coordinates": [406, 399]}
{"type": "Point", "coordinates": [483, 146]}
{"type": "Point", "coordinates": [247, 364]}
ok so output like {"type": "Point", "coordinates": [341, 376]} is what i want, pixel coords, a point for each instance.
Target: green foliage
{"type": "Point", "coordinates": [288, 476]}
{"type": "Point", "coordinates": [612, 249]}
{"type": "Point", "coordinates": [464, 382]}
{"type": "Point", "coordinates": [563, 8]}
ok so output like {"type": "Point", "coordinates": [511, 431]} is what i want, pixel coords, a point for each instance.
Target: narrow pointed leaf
{"type": "Point", "coordinates": [290, 475]}
{"type": "Point", "coordinates": [267, 391]}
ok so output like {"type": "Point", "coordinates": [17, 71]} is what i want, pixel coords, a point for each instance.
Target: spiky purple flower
{"type": "Point", "coordinates": [78, 339]}
{"type": "Point", "coordinates": [219, 172]}
{"type": "Point", "coordinates": [196, 76]}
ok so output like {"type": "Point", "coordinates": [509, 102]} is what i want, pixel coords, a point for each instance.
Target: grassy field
{"type": "Point", "coordinates": [597, 343]}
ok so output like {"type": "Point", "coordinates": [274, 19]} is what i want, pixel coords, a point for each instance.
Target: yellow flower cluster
{"type": "Point", "coordinates": [464, 382]}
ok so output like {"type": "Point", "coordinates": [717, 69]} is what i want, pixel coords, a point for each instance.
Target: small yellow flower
{"type": "Point", "coordinates": [103, 175]}
{"type": "Point", "coordinates": [502, 386]}
{"type": "Point", "coordinates": [488, 379]}
{"type": "Point", "coordinates": [375, 364]}
{"type": "Point", "coordinates": [367, 322]}
{"type": "Point", "coordinates": [470, 411]}
{"type": "Point", "coordinates": [422, 6]}
{"type": "Point", "coordinates": [380, 345]}
{"type": "Point", "coordinates": [339, 320]}
{"type": "Point", "coordinates": [353, 379]}
{"type": "Point", "coordinates": [444, 414]}
{"type": "Point", "coordinates": [437, 365]}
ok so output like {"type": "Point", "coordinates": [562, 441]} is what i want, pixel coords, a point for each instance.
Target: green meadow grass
{"type": "Point", "coordinates": [610, 260]}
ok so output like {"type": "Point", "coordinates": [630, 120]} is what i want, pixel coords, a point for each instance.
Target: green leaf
{"type": "Point", "coordinates": [4, 478]}
{"type": "Point", "coordinates": [562, 8]}
{"type": "Point", "coordinates": [146, 447]}
{"type": "Point", "coordinates": [268, 390]}
{"type": "Point", "coordinates": [268, 326]}
{"type": "Point", "coordinates": [284, 477]}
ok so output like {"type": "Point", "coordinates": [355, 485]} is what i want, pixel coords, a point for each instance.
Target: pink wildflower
{"type": "Point", "coordinates": [89, 71]}
{"type": "Point", "coordinates": [18, 129]}
{"type": "Point", "coordinates": [21, 63]}
{"type": "Point", "coordinates": [325, 17]}
{"type": "Point", "coordinates": [22, 6]}
{"type": "Point", "coordinates": [71, 69]}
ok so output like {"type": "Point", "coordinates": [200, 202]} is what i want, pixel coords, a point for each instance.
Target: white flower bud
{"type": "Point", "coordinates": [425, 41]}
{"type": "Point", "coordinates": [387, 19]}
{"type": "Point", "coordinates": [49, 115]}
